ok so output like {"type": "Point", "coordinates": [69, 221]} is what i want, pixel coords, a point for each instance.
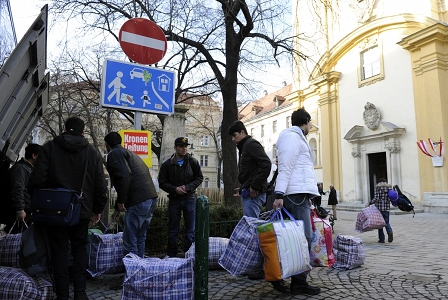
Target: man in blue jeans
{"type": "Point", "coordinates": [137, 195]}
{"type": "Point", "coordinates": [179, 176]}
{"type": "Point", "coordinates": [382, 202]}
{"type": "Point", "coordinates": [296, 186]}
{"type": "Point", "coordinates": [254, 167]}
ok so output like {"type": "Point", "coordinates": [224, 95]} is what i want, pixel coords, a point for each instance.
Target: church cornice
{"type": "Point", "coordinates": [327, 62]}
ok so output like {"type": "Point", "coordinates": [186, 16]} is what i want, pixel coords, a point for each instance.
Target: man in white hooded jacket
{"type": "Point", "coordinates": [296, 185]}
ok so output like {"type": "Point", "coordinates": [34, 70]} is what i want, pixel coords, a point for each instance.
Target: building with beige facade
{"type": "Point", "coordinates": [375, 83]}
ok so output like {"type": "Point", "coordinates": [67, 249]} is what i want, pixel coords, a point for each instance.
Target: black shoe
{"type": "Point", "coordinates": [299, 289]}
{"type": "Point", "coordinates": [81, 296]}
{"type": "Point", "coordinates": [256, 275]}
{"type": "Point", "coordinates": [381, 242]}
{"type": "Point", "coordinates": [280, 286]}
{"type": "Point", "coordinates": [390, 237]}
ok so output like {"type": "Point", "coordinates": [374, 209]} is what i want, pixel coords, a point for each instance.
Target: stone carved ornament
{"type": "Point", "coordinates": [371, 116]}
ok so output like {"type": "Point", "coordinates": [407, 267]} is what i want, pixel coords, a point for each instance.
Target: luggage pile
{"type": "Point", "coordinates": [16, 283]}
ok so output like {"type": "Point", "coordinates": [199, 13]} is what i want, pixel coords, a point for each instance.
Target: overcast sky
{"type": "Point", "coordinates": [24, 12]}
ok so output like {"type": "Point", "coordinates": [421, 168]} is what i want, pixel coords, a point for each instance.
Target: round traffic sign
{"type": "Point", "coordinates": [142, 41]}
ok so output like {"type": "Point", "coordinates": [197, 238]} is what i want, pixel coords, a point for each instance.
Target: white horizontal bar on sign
{"type": "Point", "coordinates": [141, 40]}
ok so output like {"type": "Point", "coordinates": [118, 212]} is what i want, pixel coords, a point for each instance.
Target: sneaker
{"type": "Point", "coordinates": [299, 289]}
{"type": "Point", "coordinates": [381, 242]}
{"type": "Point", "coordinates": [390, 237]}
{"type": "Point", "coordinates": [256, 275]}
{"type": "Point", "coordinates": [81, 296]}
{"type": "Point", "coordinates": [280, 286]}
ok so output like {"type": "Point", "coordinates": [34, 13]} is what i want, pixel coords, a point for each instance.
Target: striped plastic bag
{"type": "Point", "coordinates": [284, 247]}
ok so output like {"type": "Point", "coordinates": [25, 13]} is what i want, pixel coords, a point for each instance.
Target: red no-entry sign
{"type": "Point", "coordinates": [142, 41]}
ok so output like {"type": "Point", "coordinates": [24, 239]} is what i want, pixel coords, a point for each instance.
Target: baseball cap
{"type": "Point", "coordinates": [181, 141]}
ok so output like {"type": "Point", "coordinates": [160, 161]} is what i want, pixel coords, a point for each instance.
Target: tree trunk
{"type": "Point", "coordinates": [230, 115]}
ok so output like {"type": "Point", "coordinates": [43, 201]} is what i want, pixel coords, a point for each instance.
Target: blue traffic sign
{"type": "Point", "coordinates": [137, 87]}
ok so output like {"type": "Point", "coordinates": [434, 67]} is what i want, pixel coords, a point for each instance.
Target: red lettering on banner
{"type": "Point", "coordinates": [136, 142]}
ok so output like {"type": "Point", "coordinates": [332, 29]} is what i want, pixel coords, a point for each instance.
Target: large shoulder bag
{"type": "Point", "coordinates": [57, 206]}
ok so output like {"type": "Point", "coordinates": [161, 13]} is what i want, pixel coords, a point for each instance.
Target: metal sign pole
{"type": "Point", "coordinates": [137, 120]}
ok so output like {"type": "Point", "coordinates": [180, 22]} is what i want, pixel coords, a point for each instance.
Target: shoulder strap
{"type": "Point", "coordinates": [85, 169]}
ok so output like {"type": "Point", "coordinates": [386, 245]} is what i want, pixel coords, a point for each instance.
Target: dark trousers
{"type": "Point", "coordinates": [177, 207]}
{"type": "Point", "coordinates": [59, 237]}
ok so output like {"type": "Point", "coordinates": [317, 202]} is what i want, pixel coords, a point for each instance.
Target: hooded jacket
{"type": "Point", "coordinates": [19, 175]}
{"type": "Point", "coordinates": [61, 163]}
{"type": "Point", "coordinates": [254, 166]}
{"type": "Point", "coordinates": [380, 198]}
{"type": "Point", "coordinates": [130, 177]}
{"type": "Point", "coordinates": [295, 164]}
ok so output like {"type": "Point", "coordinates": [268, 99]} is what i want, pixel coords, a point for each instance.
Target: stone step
{"type": "Point", "coordinates": [357, 207]}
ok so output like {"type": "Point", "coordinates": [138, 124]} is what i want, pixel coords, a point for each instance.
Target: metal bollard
{"type": "Point", "coordinates": [201, 248]}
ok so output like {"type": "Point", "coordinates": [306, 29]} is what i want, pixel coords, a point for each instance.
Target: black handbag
{"type": "Point", "coordinates": [57, 206]}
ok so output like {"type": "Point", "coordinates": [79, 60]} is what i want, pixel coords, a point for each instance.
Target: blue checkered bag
{"type": "Point", "coordinates": [158, 279]}
{"type": "Point", "coordinates": [106, 254]}
{"type": "Point", "coordinates": [45, 288]}
{"type": "Point", "coordinates": [9, 248]}
{"type": "Point", "coordinates": [216, 247]}
{"type": "Point", "coordinates": [15, 284]}
{"type": "Point", "coordinates": [243, 254]}
{"type": "Point", "coordinates": [349, 252]}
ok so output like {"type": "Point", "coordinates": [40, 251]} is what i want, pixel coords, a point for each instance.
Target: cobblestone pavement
{"type": "Point", "coordinates": [413, 266]}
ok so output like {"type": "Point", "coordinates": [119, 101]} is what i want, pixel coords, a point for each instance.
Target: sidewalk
{"type": "Point", "coordinates": [414, 266]}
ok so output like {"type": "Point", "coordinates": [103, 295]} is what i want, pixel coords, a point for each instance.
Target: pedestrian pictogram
{"type": "Point", "coordinates": [137, 87]}
{"type": "Point", "coordinates": [143, 42]}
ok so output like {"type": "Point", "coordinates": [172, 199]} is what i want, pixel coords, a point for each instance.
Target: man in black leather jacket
{"type": "Point", "coordinates": [179, 176]}
{"type": "Point", "coordinates": [137, 195]}
{"type": "Point", "coordinates": [18, 199]}
{"type": "Point", "coordinates": [61, 163]}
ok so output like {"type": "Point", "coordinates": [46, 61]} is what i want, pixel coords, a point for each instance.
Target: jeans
{"type": "Point", "coordinates": [299, 207]}
{"type": "Point", "coordinates": [136, 223]}
{"type": "Point", "coordinates": [59, 237]}
{"type": "Point", "coordinates": [252, 206]}
{"type": "Point", "coordinates": [381, 236]}
{"type": "Point", "coordinates": [177, 208]}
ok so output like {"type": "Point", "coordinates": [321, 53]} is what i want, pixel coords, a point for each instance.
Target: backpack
{"type": "Point", "coordinates": [321, 212]}
{"type": "Point", "coordinates": [404, 204]}
{"type": "Point", "coordinates": [34, 253]}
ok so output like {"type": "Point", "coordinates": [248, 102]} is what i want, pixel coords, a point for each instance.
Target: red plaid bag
{"type": "Point", "coordinates": [369, 219]}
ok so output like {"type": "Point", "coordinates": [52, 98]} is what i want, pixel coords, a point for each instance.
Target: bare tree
{"type": "Point", "coordinates": [213, 44]}
{"type": "Point", "coordinates": [74, 91]}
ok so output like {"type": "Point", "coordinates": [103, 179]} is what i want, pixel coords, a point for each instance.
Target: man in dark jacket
{"type": "Point", "coordinates": [137, 195]}
{"type": "Point", "coordinates": [179, 176]}
{"type": "Point", "coordinates": [61, 163]}
{"type": "Point", "coordinates": [18, 198]}
{"type": "Point", "coordinates": [254, 167]}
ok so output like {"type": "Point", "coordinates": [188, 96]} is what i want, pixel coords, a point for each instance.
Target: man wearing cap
{"type": "Point", "coordinates": [61, 163]}
{"type": "Point", "coordinates": [179, 176]}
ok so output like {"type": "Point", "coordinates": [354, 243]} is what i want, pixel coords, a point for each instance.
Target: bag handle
{"type": "Point", "coordinates": [9, 233]}
{"type": "Point", "coordinates": [109, 225]}
{"type": "Point", "coordinates": [279, 216]}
